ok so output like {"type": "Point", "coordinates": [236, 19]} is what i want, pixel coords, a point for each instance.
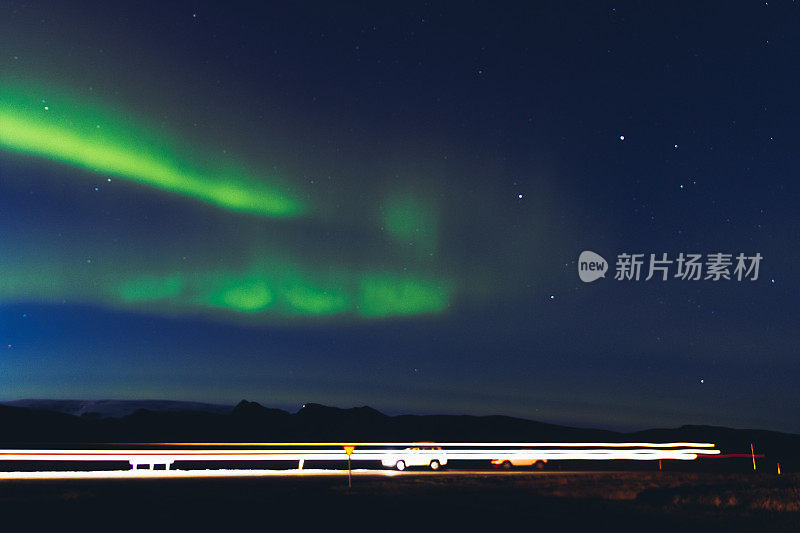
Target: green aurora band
{"type": "Point", "coordinates": [66, 130]}
{"type": "Point", "coordinates": [277, 291]}
{"type": "Point", "coordinates": [254, 295]}
{"type": "Point", "coordinates": [366, 295]}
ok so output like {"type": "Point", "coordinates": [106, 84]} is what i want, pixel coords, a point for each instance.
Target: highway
{"type": "Point", "coordinates": [412, 452]}
{"type": "Point", "coordinates": [252, 473]}
{"type": "Point", "coordinates": [392, 455]}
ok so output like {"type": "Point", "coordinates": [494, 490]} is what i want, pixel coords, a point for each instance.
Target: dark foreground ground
{"type": "Point", "coordinates": [598, 501]}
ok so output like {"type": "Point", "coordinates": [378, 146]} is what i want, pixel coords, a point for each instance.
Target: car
{"type": "Point", "coordinates": [519, 459]}
{"type": "Point", "coordinates": [431, 456]}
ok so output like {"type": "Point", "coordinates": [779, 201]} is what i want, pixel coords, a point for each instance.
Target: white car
{"type": "Point", "coordinates": [430, 456]}
{"type": "Point", "coordinates": [519, 459]}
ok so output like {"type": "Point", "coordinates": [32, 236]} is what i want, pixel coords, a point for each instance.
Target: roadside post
{"type": "Point", "coordinates": [349, 451]}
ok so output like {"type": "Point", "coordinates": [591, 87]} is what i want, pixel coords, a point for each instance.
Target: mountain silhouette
{"type": "Point", "coordinates": [159, 422]}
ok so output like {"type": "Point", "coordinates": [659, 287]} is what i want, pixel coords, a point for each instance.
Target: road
{"type": "Point", "coordinates": [160, 458]}
{"type": "Point", "coordinates": [294, 473]}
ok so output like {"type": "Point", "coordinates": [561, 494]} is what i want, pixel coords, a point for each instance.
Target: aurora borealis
{"type": "Point", "coordinates": [83, 137]}
{"type": "Point", "coordinates": [384, 204]}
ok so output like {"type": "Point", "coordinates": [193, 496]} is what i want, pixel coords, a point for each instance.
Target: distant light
{"type": "Point", "coordinates": [552, 297]}
{"type": "Point", "coordinates": [621, 137]}
{"type": "Point", "coordinates": [520, 196]}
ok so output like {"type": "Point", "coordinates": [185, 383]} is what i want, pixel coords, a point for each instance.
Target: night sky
{"type": "Point", "coordinates": [385, 204]}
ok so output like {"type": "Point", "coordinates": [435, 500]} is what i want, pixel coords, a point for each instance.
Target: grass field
{"type": "Point", "coordinates": [620, 501]}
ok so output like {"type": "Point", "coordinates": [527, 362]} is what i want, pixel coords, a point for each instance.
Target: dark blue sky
{"type": "Point", "coordinates": [452, 160]}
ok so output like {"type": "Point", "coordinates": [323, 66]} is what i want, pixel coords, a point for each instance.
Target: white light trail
{"type": "Point", "coordinates": [453, 451]}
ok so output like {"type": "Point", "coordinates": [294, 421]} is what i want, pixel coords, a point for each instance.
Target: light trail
{"type": "Point", "coordinates": [309, 473]}
{"type": "Point", "coordinates": [184, 474]}
{"type": "Point", "coordinates": [427, 453]}
{"type": "Point", "coordinates": [337, 455]}
{"type": "Point", "coordinates": [443, 445]}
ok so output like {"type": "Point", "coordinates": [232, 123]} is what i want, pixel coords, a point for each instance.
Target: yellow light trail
{"type": "Point", "coordinates": [143, 456]}
{"type": "Point", "coordinates": [444, 444]}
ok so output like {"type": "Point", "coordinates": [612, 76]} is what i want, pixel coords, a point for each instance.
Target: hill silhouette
{"type": "Point", "coordinates": [36, 424]}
